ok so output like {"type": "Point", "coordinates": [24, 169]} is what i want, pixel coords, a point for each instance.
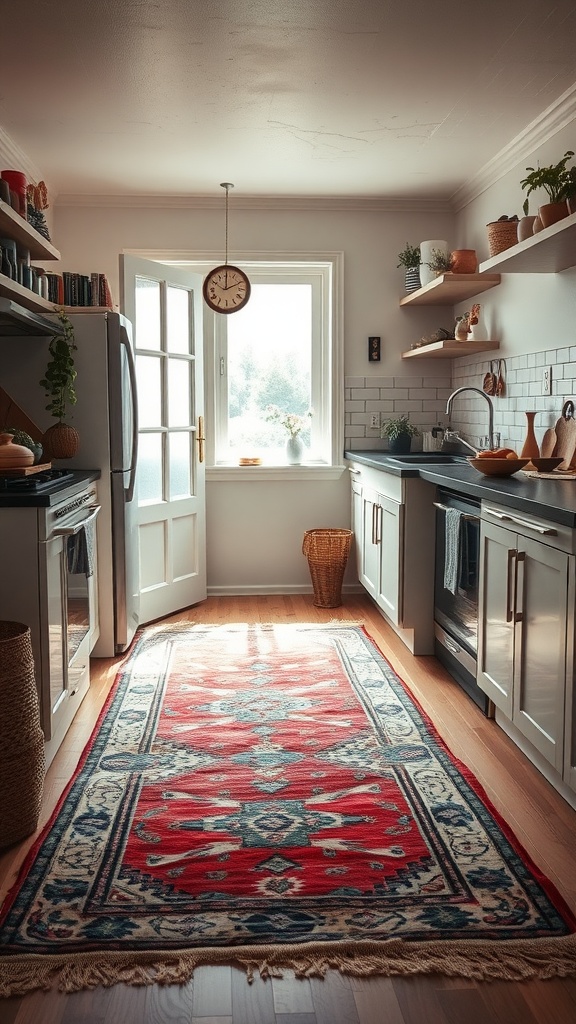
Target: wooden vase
{"type": "Point", "coordinates": [530, 448]}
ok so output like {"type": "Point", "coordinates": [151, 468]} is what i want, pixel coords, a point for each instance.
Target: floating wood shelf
{"type": "Point", "coordinates": [448, 289]}
{"type": "Point", "coordinates": [24, 296]}
{"type": "Point", "coordinates": [13, 226]}
{"type": "Point", "coordinates": [450, 349]}
{"type": "Point", "coordinates": [550, 251]}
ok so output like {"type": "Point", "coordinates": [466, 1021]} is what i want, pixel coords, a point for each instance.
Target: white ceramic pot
{"type": "Point", "coordinates": [427, 275]}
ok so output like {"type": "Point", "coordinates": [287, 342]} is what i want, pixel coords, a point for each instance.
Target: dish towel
{"type": "Point", "coordinates": [81, 551]}
{"type": "Point", "coordinates": [452, 521]}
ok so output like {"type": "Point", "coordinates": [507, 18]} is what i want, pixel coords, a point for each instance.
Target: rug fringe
{"type": "Point", "coordinates": [480, 960]}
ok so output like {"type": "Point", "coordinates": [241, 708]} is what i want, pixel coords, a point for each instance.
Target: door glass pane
{"type": "Point", "coordinates": [147, 313]}
{"type": "Point", "coordinates": [178, 393]}
{"type": "Point", "coordinates": [149, 391]}
{"type": "Point", "coordinates": [178, 320]}
{"type": "Point", "coordinates": [179, 449]}
{"type": "Point", "coordinates": [149, 473]}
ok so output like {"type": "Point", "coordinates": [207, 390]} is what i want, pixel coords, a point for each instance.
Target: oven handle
{"type": "Point", "coordinates": [444, 508]}
{"type": "Point", "coordinates": [69, 531]}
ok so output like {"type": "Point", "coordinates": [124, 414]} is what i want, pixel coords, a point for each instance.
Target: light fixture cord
{"type": "Point", "coordinates": [227, 185]}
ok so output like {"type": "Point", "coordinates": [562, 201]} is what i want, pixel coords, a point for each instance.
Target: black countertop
{"type": "Point", "coordinates": [554, 500]}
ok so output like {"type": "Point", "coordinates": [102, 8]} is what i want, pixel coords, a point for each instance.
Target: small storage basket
{"type": "Point", "coordinates": [327, 553]}
{"type": "Point", "coordinates": [21, 738]}
{"type": "Point", "coordinates": [501, 235]}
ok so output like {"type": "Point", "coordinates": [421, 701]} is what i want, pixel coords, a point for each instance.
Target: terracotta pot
{"type": "Point", "coordinates": [525, 228]}
{"type": "Point", "coordinates": [551, 213]}
{"type": "Point", "coordinates": [61, 441]}
{"type": "Point", "coordinates": [464, 261]}
{"type": "Point", "coordinates": [12, 456]}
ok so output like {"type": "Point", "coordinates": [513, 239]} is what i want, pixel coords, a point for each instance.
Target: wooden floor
{"type": "Point", "coordinates": [542, 821]}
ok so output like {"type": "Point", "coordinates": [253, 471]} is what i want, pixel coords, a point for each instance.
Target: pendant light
{"type": "Point", "coordinates": [226, 289]}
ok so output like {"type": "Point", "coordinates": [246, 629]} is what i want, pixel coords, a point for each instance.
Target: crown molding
{"type": "Point", "coordinates": [551, 121]}
{"type": "Point", "coordinates": [359, 204]}
{"type": "Point", "coordinates": [13, 156]}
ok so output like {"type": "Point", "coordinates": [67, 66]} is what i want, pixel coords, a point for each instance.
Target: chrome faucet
{"type": "Point", "coordinates": [482, 394]}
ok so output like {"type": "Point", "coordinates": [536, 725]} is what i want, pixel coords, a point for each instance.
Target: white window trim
{"type": "Point", "coordinates": [204, 261]}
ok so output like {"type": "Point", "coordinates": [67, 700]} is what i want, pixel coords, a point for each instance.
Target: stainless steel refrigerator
{"type": "Point", "coordinates": [106, 418]}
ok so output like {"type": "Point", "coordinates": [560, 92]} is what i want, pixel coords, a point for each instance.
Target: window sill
{"type": "Point", "coordinates": [224, 474]}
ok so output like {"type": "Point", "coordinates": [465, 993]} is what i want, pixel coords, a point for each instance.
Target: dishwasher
{"type": "Point", "coordinates": [456, 578]}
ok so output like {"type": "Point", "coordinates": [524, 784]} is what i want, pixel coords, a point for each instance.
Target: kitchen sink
{"type": "Point", "coordinates": [434, 458]}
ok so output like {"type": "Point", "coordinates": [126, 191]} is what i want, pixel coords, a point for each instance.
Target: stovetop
{"type": "Point", "coordinates": [35, 483]}
{"type": "Point", "coordinates": [45, 488]}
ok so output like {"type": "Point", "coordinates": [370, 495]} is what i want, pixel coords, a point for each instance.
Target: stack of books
{"type": "Point", "coordinates": [69, 289]}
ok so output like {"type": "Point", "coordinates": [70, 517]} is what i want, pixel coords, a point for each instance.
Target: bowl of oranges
{"type": "Point", "coordinates": [498, 462]}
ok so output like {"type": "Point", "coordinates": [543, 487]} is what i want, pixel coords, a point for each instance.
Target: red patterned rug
{"type": "Point", "coordinates": [272, 796]}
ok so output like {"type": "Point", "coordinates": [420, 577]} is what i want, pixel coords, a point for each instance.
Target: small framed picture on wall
{"type": "Point", "coordinates": [374, 350]}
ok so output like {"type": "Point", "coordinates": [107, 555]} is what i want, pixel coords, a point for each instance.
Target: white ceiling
{"type": "Point", "coordinates": [377, 98]}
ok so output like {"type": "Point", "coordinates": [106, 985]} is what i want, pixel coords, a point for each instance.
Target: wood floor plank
{"type": "Point", "coordinates": [125, 1004]}
{"type": "Point", "coordinates": [550, 1005]}
{"type": "Point", "coordinates": [506, 1004]}
{"type": "Point", "coordinates": [334, 999]}
{"type": "Point", "coordinates": [47, 1007]}
{"type": "Point", "coordinates": [251, 1004]}
{"type": "Point", "coordinates": [169, 1003]}
{"type": "Point", "coordinates": [9, 1009]}
{"type": "Point", "coordinates": [292, 995]}
{"type": "Point", "coordinates": [417, 1000]}
{"type": "Point", "coordinates": [296, 1018]}
{"type": "Point", "coordinates": [376, 1001]}
{"type": "Point", "coordinates": [212, 992]}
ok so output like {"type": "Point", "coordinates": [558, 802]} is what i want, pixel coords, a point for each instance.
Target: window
{"type": "Point", "coordinates": [283, 349]}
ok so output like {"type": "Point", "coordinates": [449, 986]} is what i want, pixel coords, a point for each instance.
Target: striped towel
{"type": "Point", "coordinates": [451, 548]}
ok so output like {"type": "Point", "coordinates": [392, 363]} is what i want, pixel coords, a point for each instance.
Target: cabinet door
{"type": "Point", "coordinates": [540, 647]}
{"type": "Point", "coordinates": [369, 570]}
{"type": "Point", "coordinates": [389, 591]}
{"type": "Point", "coordinates": [358, 524]}
{"type": "Point", "coordinates": [496, 614]}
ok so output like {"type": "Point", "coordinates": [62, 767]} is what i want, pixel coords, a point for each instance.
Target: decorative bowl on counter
{"type": "Point", "coordinates": [498, 467]}
{"type": "Point", "coordinates": [546, 465]}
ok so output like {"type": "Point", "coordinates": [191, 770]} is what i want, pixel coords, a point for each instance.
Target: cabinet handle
{"type": "Point", "coordinates": [519, 614]}
{"type": "Point", "coordinates": [375, 515]}
{"type": "Point", "coordinates": [509, 604]}
{"type": "Point", "coordinates": [545, 530]}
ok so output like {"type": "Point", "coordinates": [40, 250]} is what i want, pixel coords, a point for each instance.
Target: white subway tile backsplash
{"type": "Point", "coordinates": [424, 398]}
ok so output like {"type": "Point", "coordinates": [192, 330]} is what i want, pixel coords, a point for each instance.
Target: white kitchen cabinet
{"type": "Point", "coordinates": [393, 523]}
{"type": "Point", "coordinates": [526, 616]}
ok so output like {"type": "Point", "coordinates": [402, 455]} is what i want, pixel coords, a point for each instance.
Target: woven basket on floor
{"type": "Point", "coordinates": [327, 552]}
{"type": "Point", "coordinates": [501, 235]}
{"type": "Point", "coordinates": [21, 738]}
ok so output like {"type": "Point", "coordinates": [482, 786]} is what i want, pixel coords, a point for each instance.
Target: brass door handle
{"type": "Point", "coordinates": [200, 438]}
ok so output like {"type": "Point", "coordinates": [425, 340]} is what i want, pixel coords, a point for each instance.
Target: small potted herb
{"type": "Point", "coordinates": [440, 262]}
{"type": "Point", "coordinates": [409, 258]}
{"type": "Point", "coordinates": [399, 433]}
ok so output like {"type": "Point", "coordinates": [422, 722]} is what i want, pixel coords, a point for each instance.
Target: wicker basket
{"type": "Point", "coordinates": [327, 553]}
{"type": "Point", "coordinates": [501, 235]}
{"type": "Point", "coordinates": [21, 738]}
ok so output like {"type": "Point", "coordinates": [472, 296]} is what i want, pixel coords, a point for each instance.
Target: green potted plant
{"type": "Point", "coordinates": [60, 441]}
{"type": "Point", "coordinates": [556, 181]}
{"type": "Point", "coordinates": [440, 262]}
{"type": "Point", "coordinates": [409, 258]}
{"type": "Point", "coordinates": [399, 433]}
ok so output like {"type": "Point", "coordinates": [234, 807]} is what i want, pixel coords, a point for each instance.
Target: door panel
{"type": "Point", "coordinates": [496, 624]}
{"type": "Point", "coordinates": [165, 306]}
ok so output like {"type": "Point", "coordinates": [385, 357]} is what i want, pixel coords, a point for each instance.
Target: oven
{"type": "Point", "coordinates": [456, 578]}
{"type": "Point", "coordinates": [48, 551]}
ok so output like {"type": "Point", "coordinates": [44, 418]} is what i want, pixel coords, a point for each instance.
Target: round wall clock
{"type": "Point", "coordinates": [226, 289]}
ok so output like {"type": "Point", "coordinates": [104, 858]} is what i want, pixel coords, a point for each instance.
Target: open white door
{"type": "Point", "coordinates": [165, 306]}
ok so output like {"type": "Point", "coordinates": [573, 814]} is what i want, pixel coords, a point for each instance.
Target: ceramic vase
{"type": "Point", "coordinates": [400, 445]}
{"type": "Point", "coordinates": [464, 261]}
{"type": "Point", "coordinates": [426, 274]}
{"type": "Point", "coordinates": [525, 228]}
{"type": "Point", "coordinates": [294, 450]}
{"type": "Point", "coordinates": [530, 448]}
{"type": "Point", "coordinates": [412, 279]}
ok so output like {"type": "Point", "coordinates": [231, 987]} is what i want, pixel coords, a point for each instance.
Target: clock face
{"type": "Point", "coordinates": [226, 289]}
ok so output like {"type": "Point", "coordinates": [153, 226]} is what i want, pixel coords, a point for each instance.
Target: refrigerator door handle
{"type": "Point", "coordinates": [134, 394]}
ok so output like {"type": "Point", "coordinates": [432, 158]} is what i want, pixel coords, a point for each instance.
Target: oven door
{"type": "Point", "coordinates": [456, 590]}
